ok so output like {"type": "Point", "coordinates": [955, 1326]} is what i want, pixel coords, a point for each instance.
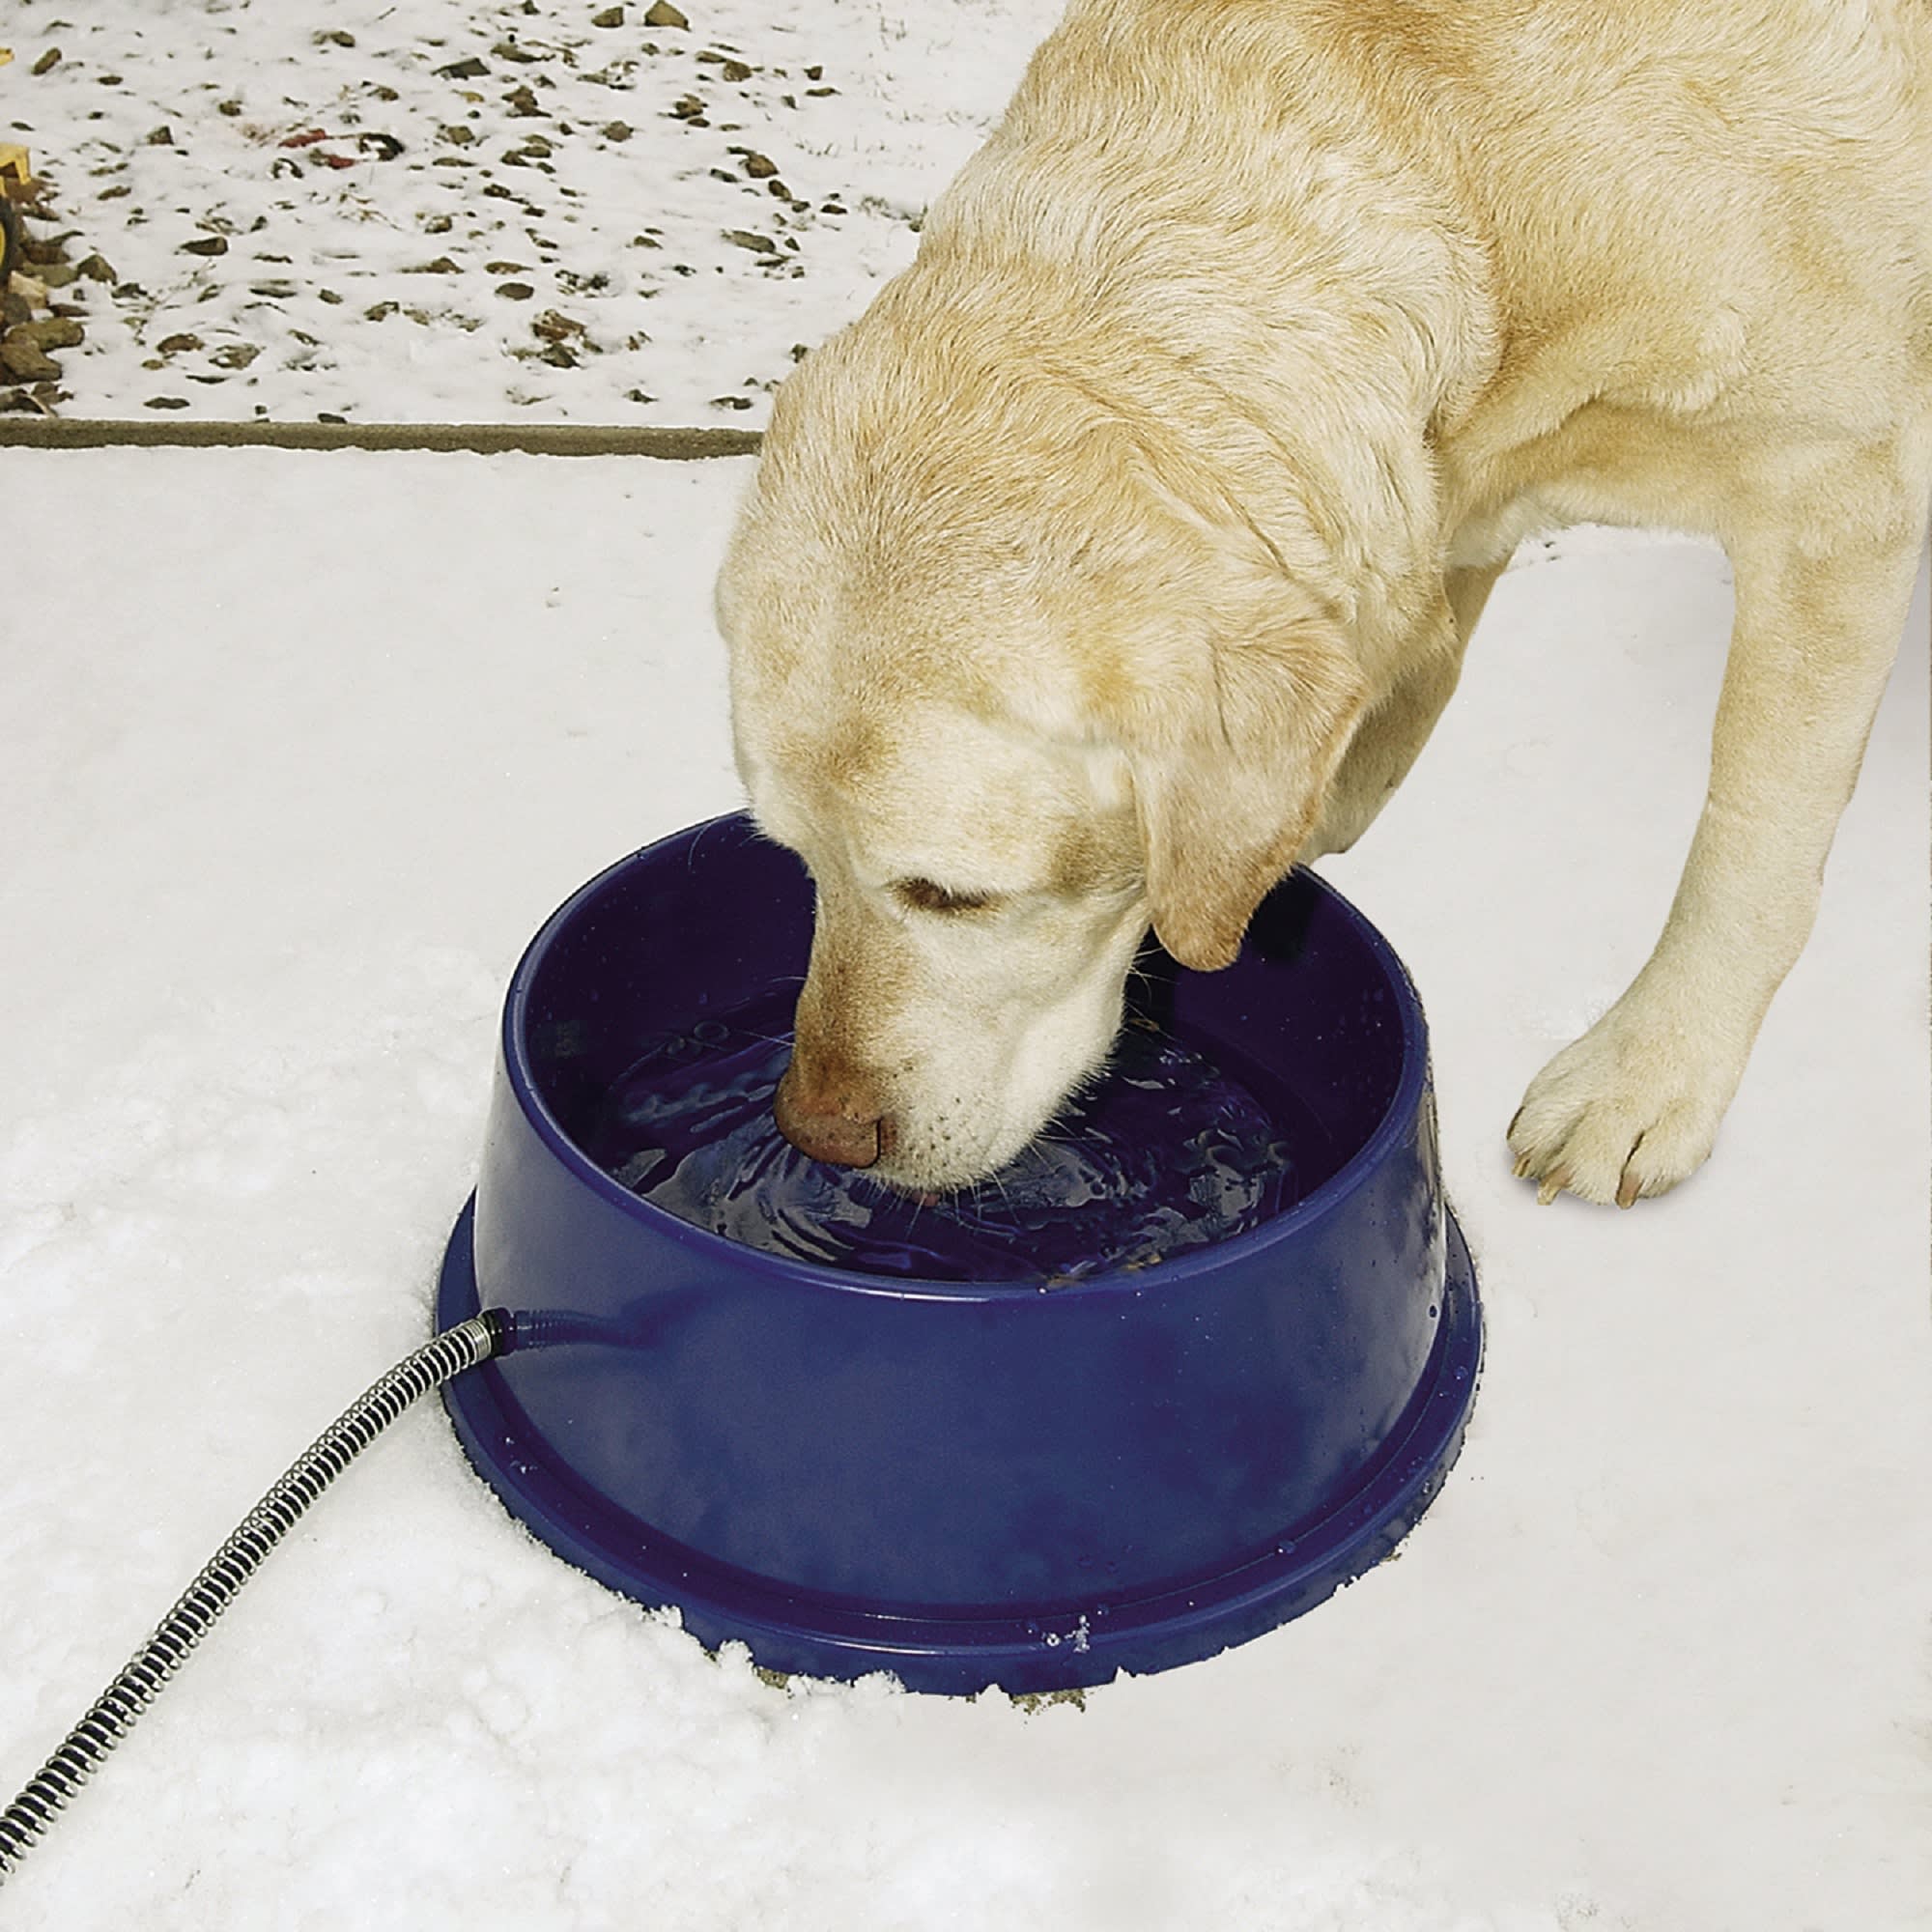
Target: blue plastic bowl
{"type": "Point", "coordinates": [962, 1482]}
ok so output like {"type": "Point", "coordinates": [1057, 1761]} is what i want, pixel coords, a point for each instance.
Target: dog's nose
{"type": "Point", "coordinates": [840, 1129]}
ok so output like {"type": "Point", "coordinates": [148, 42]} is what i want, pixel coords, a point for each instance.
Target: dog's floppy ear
{"type": "Point", "coordinates": [1230, 789]}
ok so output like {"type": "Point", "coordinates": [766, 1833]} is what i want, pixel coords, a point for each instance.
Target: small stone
{"type": "Point", "coordinates": [505, 267]}
{"type": "Point", "coordinates": [380, 311]}
{"type": "Point", "coordinates": [15, 308]}
{"type": "Point", "coordinates": [24, 362]}
{"type": "Point", "coordinates": [439, 224]}
{"type": "Point", "coordinates": [515, 291]}
{"type": "Point", "coordinates": [538, 146]}
{"type": "Point", "coordinates": [47, 63]}
{"type": "Point", "coordinates": [523, 101]}
{"type": "Point", "coordinates": [206, 244]}
{"type": "Point", "coordinates": [730, 402]}
{"type": "Point", "coordinates": [96, 269]}
{"type": "Point", "coordinates": [231, 109]}
{"type": "Point", "coordinates": [333, 36]}
{"type": "Point", "coordinates": [554, 326]}
{"type": "Point", "coordinates": [458, 136]}
{"type": "Point", "coordinates": [178, 345]}
{"type": "Point", "coordinates": [611, 16]}
{"type": "Point", "coordinates": [687, 107]}
{"type": "Point", "coordinates": [55, 332]}
{"type": "Point", "coordinates": [329, 296]}
{"type": "Point", "coordinates": [732, 70]}
{"type": "Point", "coordinates": [814, 73]}
{"type": "Point", "coordinates": [463, 70]}
{"type": "Point", "coordinates": [161, 137]}
{"type": "Point", "coordinates": [57, 274]}
{"type": "Point", "coordinates": [276, 291]}
{"type": "Point", "coordinates": [616, 130]}
{"type": "Point", "coordinates": [663, 14]}
{"type": "Point", "coordinates": [759, 167]}
{"type": "Point", "coordinates": [512, 50]}
{"type": "Point", "coordinates": [744, 237]}
{"type": "Point", "coordinates": [441, 265]}
{"type": "Point", "coordinates": [236, 354]}
{"type": "Point", "coordinates": [165, 403]}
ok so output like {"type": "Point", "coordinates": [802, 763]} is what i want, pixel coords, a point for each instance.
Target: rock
{"type": "Point", "coordinates": [24, 362]}
{"type": "Point", "coordinates": [744, 237]}
{"type": "Point", "coordinates": [554, 327]}
{"type": "Point", "coordinates": [616, 130]}
{"type": "Point", "coordinates": [441, 265]}
{"type": "Point", "coordinates": [523, 101]}
{"type": "Point", "coordinates": [611, 16]}
{"type": "Point", "coordinates": [333, 36]}
{"type": "Point", "coordinates": [96, 269]}
{"type": "Point", "coordinates": [15, 308]}
{"type": "Point", "coordinates": [206, 244]}
{"type": "Point", "coordinates": [236, 354]}
{"type": "Point", "coordinates": [161, 137]}
{"type": "Point", "coordinates": [58, 274]}
{"type": "Point", "coordinates": [759, 168]}
{"type": "Point", "coordinates": [231, 109]}
{"type": "Point", "coordinates": [178, 345]}
{"type": "Point", "coordinates": [665, 14]}
{"type": "Point", "coordinates": [56, 332]}
{"type": "Point", "coordinates": [515, 291]}
{"type": "Point", "coordinates": [458, 136]}
{"type": "Point", "coordinates": [165, 403]}
{"type": "Point", "coordinates": [463, 70]}
{"type": "Point", "coordinates": [47, 63]}
{"type": "Point", "coordinates": [687, 107]}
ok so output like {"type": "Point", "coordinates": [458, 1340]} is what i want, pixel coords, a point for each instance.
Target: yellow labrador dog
{"type": "Point", "coordinates": [1124, 550]}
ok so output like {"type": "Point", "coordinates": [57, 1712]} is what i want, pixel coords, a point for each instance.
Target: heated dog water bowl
{"type": "Point", "coordinates": [964, 1483]}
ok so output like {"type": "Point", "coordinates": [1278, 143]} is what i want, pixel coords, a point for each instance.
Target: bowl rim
{"type": "Point", "coordinates": [1175, 1271]}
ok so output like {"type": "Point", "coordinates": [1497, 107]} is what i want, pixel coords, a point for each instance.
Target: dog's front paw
{"type": "Point", "coordinates": [1630, 1109]}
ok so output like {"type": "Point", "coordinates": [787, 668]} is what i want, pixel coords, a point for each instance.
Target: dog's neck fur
{"type": "Point", "coordinates": [1277, 367]}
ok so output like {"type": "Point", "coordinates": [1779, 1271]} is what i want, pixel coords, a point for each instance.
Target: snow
{"type": "Point", "coordinates": [357, 275]}
{"type": "Point", "coordinates": [306, 747]}
{"type": "Point", "coordinates": [301, 751]}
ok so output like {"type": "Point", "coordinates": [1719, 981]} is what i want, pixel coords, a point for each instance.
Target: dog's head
{"type": "Point", "coordinates": [1014, 686]}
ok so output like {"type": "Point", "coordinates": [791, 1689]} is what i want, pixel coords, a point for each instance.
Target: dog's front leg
{"type": "Point", "coordinates": [1633, 1107]}
{"type": "Point", "coordinates": [1390, 738]}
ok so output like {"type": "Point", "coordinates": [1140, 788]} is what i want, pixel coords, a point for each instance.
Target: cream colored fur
{"type": "Point", "coordinates": [1124, 550]}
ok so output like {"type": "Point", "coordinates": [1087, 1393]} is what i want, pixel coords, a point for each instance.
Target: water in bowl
{"type": "Point", "coordinates": [1165, 1152]}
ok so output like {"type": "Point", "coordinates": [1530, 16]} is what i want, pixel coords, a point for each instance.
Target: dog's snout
{"type": "Point", "coordinates": [843, 1126]}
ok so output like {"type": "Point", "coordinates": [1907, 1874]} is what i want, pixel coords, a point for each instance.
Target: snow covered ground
{"type": "Point", "coordinates": [540, 209]}
{"type": "Point", "coordinates": [301, 751]}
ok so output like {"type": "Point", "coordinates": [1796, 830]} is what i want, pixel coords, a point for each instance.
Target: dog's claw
{"type": "Point", "coordinates": [1629, 1189]}
{"type": "Point", "coordinates": [1553, 1184]}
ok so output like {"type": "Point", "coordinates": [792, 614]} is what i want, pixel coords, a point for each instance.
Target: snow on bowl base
{"type": "Point", "coordinates": [966, 1483]}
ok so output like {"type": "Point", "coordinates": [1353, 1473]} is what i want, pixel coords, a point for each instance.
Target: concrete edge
{"type": "Point", "coordinates": [26, 431]}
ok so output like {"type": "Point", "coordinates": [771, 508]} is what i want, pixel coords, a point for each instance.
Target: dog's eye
{"type": "Point", "coordinates": [923, 896]}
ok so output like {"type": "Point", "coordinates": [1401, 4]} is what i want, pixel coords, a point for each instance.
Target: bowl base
{"type": "Point", "coordinates": [798, 1633]}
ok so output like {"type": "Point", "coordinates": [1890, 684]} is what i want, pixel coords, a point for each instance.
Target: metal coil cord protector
{"type": "Point", "coordinates": [115, 1711]}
